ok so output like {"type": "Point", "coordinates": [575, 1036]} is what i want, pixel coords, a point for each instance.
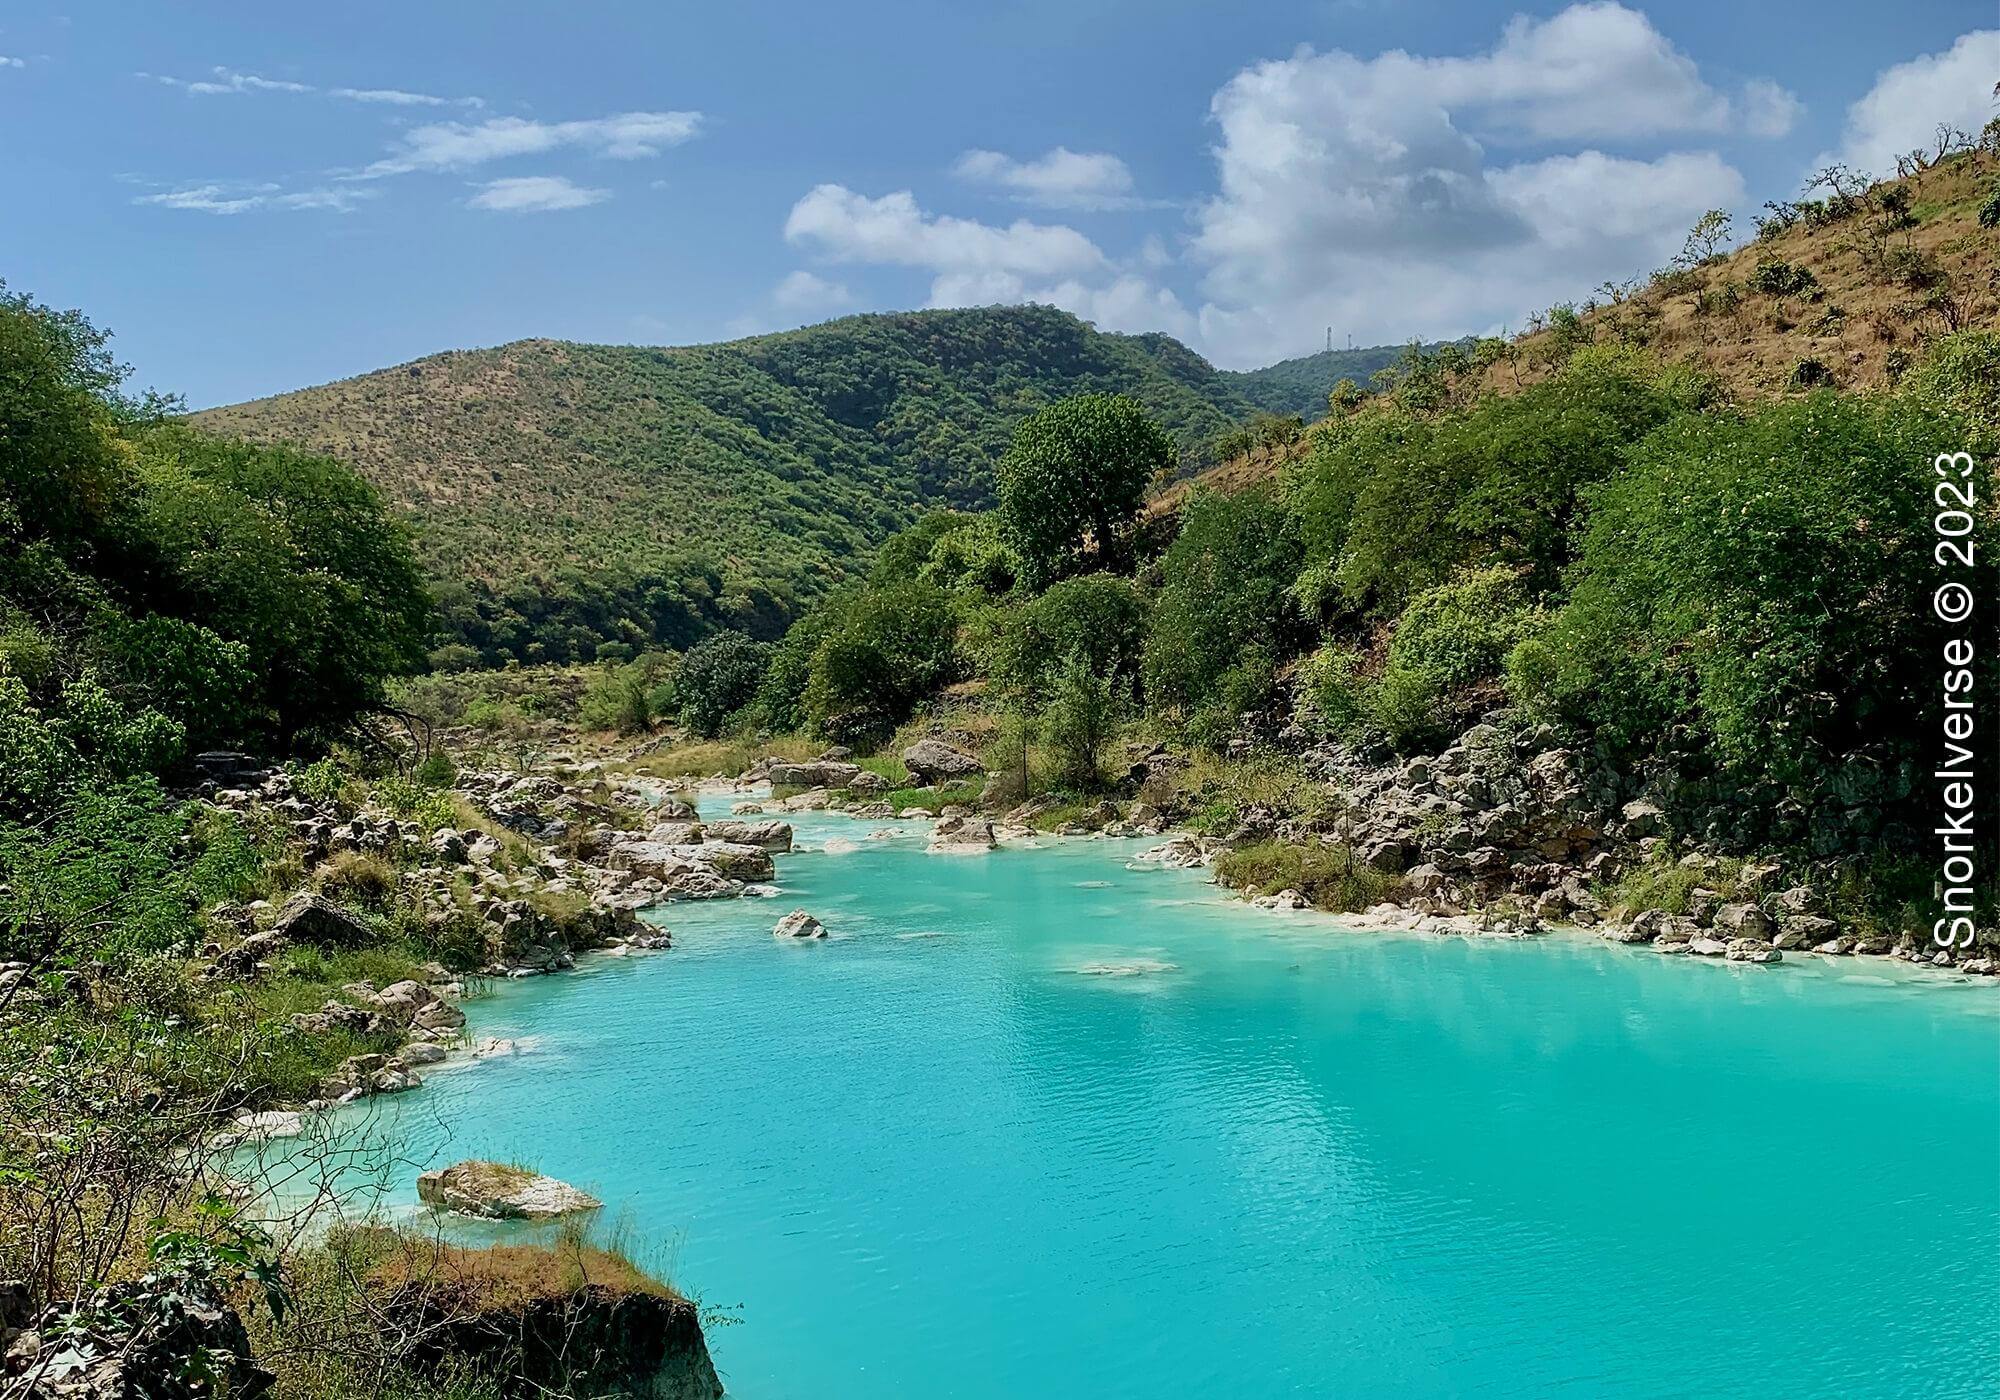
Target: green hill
{"type": "Point", "coordinates": [1301, 385]}
{"type": "Point", "coordinates": [563, 492]}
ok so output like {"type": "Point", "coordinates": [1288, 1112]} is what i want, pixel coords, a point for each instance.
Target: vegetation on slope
{"type": "Point", "coordinates": [1299, 387]}
{"type": "Point", "coordinates": [569, 494]}
{"type": "Point", "coordinates": [1843, 287]}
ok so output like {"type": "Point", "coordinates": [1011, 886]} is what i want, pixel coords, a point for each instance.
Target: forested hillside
{"type": "Point", "coordinates": [1299, 386]}
{"type": "Point", "coordinates": [568, 493]}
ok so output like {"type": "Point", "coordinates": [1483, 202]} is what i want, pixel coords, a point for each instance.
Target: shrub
{"type": "Point", "coordinates": [1751, 576]}
{"type": "Point", "coordinates": [1775, 277]}
{"type": "Point", "coordinates": [1225, 582]}
{"type": "Point", "coordinates": [1330, 876]}
{"type": "Point", "coordinates": [1392, 510]}
{"type": "Point", "coordinates": [1100, 616]}
{"type": "Point", "coordinates": [1081, 717]}
{"type": "Point", "coordinates": [1809, 373]}
{"type": "Point", "coordinates": [880, 651]}
{"type": "Point", "coordinates": [719, 676]}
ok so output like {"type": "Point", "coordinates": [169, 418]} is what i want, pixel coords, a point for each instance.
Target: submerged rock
{"type": "Point", "coordinates": [498, 1191]}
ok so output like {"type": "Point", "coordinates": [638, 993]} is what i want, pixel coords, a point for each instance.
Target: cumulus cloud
{"type": "Point", "coordinates": [1061, 179]}
{"type": "Point", "coordinates": [535, 194]}
{"type": "Point", "coordinates": [7, 61]}
{"type": "Point", "coordinates": [1365, 193]}
{"type": "Point", "coordinates": [1902, 111]}
{"type": "Point", "coordinates": [839, 224]}
{"type": "Point", "coordinates": [458, 145]}
{"type": "Point", "coordinates": [977, 264]}
{"type": "Point", "coordinates": [806, 291]}
{"type": "Point", "coordinates": [218, 198]}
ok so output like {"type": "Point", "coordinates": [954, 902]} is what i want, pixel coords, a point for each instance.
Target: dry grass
{"type": "Point", "coordinates": [1864, 320]}
{"type": "Point", "coordinates": [502, 1276]}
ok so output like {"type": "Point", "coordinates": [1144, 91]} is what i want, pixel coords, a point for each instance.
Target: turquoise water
{"type": "Point", "coordinates": [936, 1156]}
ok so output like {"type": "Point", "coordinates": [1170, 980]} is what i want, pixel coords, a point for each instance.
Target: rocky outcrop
{"type": "Point", "coordinates": [498, 1191]}
{"type": "Point", "coordinates": [164, 1337]}
{"type": "Point", "coordinates": [556, 1320]}
{"type": "Point", "coordinates": [823, 773]}
{"type": "Point", "coordinates": [934, 762]}
{"type": "Point", "coordinates": [962, 835]}
{"type": "Point", "coordinates": [769, 835]}
{"type": "Point", "coordinates": [313, 919]}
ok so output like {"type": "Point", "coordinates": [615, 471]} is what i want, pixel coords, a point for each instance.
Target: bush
{"type": "Point", "coordinates": [1100, 616]}
{"type": "Point", "coordinates": [1392, 509]}
{"type": "Point", "coordinates": [1775, 277]}
{"type": "Point", "coordinates": [1751, 576]}
{"type": "Point", "coordinates": [1225, 582]}
{"type": "Point", "coordinates": [1081, 717]}
{"type": "Point", "coordinates": [719, 676]}
{"type": "Point", "coordinates": [879, 652]}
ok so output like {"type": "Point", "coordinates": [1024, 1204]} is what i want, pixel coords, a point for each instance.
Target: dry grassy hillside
{"type": "Point", "coordinates": [1840, 289]}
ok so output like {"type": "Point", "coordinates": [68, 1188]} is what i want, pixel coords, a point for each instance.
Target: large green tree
{"type": "Point", "coordinates": [1073, 478]}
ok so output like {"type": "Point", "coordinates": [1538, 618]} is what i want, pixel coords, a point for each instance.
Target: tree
{"type": "Point", "coordinates": [1706, 239]}
{"type": "Point", "coordinates": [718, 677]}
{"type": "Point", "coordinates": [880, 651]}
{"type": "Point", "coordinates": [1073, 478]}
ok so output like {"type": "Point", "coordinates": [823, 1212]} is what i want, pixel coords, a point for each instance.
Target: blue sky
{"type": "Point", "coordinates": [256, 197]}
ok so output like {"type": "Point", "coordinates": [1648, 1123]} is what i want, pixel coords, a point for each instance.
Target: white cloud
{"type": "Point", "coordinates": [396, 97]}
{"type": "Point", "coordinates": [226, 80]}
{"type": "Point", "coordinates": [1061, 179]}
{"type": "Point", "coordinates": [848, 227]}
{"type": "Point", "coordinates": [241, 199]}
{"type": "Point", "coordinates": [1364, 193]}
{"type": "Point", "coordinates": [458, 145]}
{"type": "Point", "coordinates": [535, 194]}
{"type": "Point", "coordinates": [976, 264]}
{"type": "Point", "coordinates": [805, 291]}
{"type": "Point", "coordinates": [9, 62]}
{"type": "Point", "coordinates": [1902, 111]}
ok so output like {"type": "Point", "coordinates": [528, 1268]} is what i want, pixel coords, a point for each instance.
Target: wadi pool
{"type": "Point", "coordinates": [1037, 1123]}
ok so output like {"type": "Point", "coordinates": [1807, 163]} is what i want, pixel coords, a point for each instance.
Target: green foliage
{"type": "Point", "coordinates": [183, 592]}
{"type": "Point", "coordinates": [1391, 508]}
{"type": "Point", "coordinates": [1989, 211]}
{"type": "Point", "coordinates": [549, 481]}
{"type": "Point", "coordinates": [1073, 478]}
{"type": "Point", "coordinates": [1447, 641]}
{"type": "Point", "coordinates": [1762, 577]}
{"type": "Point", "coordinates": [718, 677]}
{"type": "Point", "coordinates": [1775, 277]}
{"type": "Point", "coordinates": [1101, 617]}
{"type": "Point", "coordinates": [878, 652]}
{"type": "Point", "coordinates": [1960, 376]}
{"type": "Point", "coordinates": [627, 698]}
{"type": "Point", "coordinates": [1079, 720]}
{"type": "Point", "coordinates": [1330, 876]}
{"type": "Point", "coordinates": [1225, 584]}
{"type": "Point", "coordinates": [112, 871]}
{"type": "Point", "coordinates": [1301, 386]}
